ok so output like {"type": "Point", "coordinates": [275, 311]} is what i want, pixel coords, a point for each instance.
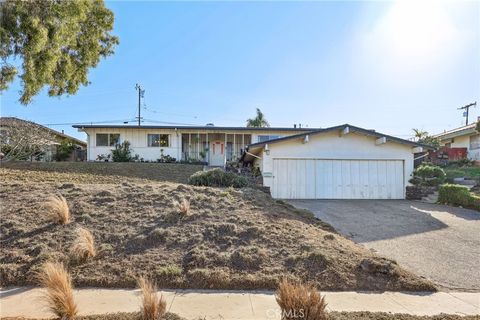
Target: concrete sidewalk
{"type": "Point", "coordinates": [210, 304]}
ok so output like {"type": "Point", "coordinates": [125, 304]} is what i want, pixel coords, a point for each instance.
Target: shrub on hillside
{"type": "Point", "coordinates": [122, 152]}
{"type": "Point", "coordinates": [464, 162]}
{"type": "Point", "coordinates": [428, 175]}
{"type": "Point", "coordinates": [451, 174]}
{"type": "Point", "coordinates": [217, 178]}
{"type": "Point", "coordinates": [458, 196]}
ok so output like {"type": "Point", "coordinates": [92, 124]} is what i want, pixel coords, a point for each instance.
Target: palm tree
{"type": "Point", "coordinates": [419, 134]}
{"type": "Point", "coordinates": [259, 121]}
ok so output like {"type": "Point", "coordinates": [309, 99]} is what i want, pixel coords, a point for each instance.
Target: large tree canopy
{"type": "Point", "coordinates": [259, 121]}
{"type": "Point", "coordinates": [57, 42]}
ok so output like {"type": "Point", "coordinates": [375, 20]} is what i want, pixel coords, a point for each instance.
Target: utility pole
{"type": "Point", "coordinates": [141, 93]}
{"type": "Point", "coordinates": [467, 108]}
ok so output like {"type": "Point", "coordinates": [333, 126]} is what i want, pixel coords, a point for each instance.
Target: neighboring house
{"type": "Point", "coordinates": [55, 138]}
{"type": "Point", "coordinates": [464, 137]}
{"type": "Point", "coordinates": [211, 144]}
{"type": "Point", "coordinates": [342, 162]}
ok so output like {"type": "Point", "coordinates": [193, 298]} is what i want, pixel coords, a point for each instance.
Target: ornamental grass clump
{"type": "Point", "coordinates": [183, 207]}
{"type": "Point", "coordinates": [83, 247]}
{"type": "Point", "coordinates": [300, 301]}
{"type": "Point", "coordinates": [59, 291]}
{"type": "Point", "coordinates": [153, 307]}
{"type": "Point", "coordinates": [58, 210]}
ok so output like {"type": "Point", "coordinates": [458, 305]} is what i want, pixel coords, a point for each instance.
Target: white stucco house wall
{"type": "Point", "coordinates": [342, 162]}
{"type": "Point", "coordinates": [464, 137]}
{"type": "Point", "coordinates": [211, 144]}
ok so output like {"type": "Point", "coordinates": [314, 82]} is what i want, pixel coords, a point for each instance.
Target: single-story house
{"type": "Point", "coordinates": [464, 137]}
{"type": "Point", "coordinates": [211, 144]}
{"type": "Point", "coordinates": [341, 162]}
{"type": "Point", "coordinates": [55, 138]}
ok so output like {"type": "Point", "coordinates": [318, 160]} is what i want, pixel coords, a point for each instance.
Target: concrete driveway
{"type": "Point", "coordinates": [438, 242]}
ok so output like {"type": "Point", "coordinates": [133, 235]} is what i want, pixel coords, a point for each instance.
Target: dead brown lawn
{"type": "Point", "coordinates": [331, 316]}
{"type": "Point", "coordinates": [231, 239]}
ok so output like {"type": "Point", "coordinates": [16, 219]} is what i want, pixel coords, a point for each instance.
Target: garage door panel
{"type": "Point", "coordinates": [310, 179]}
{"type": "Point", "coordinates": [364, 189]}
{"type": "Point", "coordinates": [338, 179]}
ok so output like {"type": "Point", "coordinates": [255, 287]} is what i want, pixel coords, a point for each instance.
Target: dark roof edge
{"type": "Point", "coordinates": [96, 126]}
{"type": "Point", "coordinates": [341, 127]}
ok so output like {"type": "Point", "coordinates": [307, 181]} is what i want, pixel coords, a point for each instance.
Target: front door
{"type": "Point", "coordinates": [217, 153]}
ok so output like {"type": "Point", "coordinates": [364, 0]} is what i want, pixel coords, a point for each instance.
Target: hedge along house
{"type": "Point", "coordinates": [210, 144]}
{"type": "Point", "coordinates": [342, 162]}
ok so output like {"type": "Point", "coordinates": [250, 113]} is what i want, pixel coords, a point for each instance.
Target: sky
{"type": "Point", "coordinates": [388, 66]}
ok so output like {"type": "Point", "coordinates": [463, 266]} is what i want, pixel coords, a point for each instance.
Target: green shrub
{"type": "Point", "coordinates": [122, 152]}
{"type": "Point", "coordinates": [453, 173]}
{"type": "Point", "coordinates": [465, 162]}
{"type": "Point", "coordinates": [457, 195]}
{"type": "Point", "coordinates": [217, 178]}
{"type": "Point", "coordinates": [64, 150]}
{"type": "Point", "coordinates": [428, 175]}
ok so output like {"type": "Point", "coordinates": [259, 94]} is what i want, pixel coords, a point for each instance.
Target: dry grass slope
{"type": "Point", "coordinates": [83, 247]}
{"type": "Point", "coordinates": [300, 301]}
{"type": "Point", "coordinates": [101, 171]}
{"type": "Point", "coordinates": [58, 210]}
{"type": "Point", "coordinates": [153, 307]}
{"type": "Point", "coordinates": [332, 316]}
{"type": "Point", "coordinates": [231, 239]}
{"type": "Point", "coordinates": [59, 294]}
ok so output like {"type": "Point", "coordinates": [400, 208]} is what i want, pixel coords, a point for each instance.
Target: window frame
{"type": "Point", "coordinates": [110, 141]}
{"type": "Point", "coordinates": [167, 135]}
{"type": "Point", "coordinates": [476, 143]}
{"type": "Point", "coordinates": [276, 136]}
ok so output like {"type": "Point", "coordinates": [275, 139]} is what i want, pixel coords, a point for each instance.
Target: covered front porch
{"type": "Point", "coordinates": [214, 148]}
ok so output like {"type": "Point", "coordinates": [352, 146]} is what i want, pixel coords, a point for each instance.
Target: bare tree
{"type": "Point", "coordinates": [23, 140]}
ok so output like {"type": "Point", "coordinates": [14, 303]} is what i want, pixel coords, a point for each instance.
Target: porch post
{"type": "Point", "coordinates": [189, 145]}
{"type": "Point", "coordinates": [207, 157]}
{"type": "Point", "coordinates": [234, 148]}
{"type": "Point", "coordinates": [198, 146]}
{"type": "Point", "coordinates": [225, 150]}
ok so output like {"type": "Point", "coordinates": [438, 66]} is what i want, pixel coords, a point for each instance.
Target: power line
{"type": "Point", "coordinates": [86, 122]}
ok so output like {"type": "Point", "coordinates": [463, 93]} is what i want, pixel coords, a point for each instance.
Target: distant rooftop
{"type": "Point", "coordinates": [471, 128]}
{"type": "Point", "coordinates": [55, 132]}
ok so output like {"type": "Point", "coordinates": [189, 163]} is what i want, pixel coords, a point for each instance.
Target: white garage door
{"type": "Point", "coordinates": [337, 179]}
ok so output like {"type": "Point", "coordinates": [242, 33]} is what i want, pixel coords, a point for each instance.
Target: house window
{"type": "Point", "coordinates": [266, 138]}
{"type": "Point", "coordinates": [158, 140]}
{"type": "Point", "coordinates": [107, 139]}
{"type": "Point", "coordinates": [475, 142]}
